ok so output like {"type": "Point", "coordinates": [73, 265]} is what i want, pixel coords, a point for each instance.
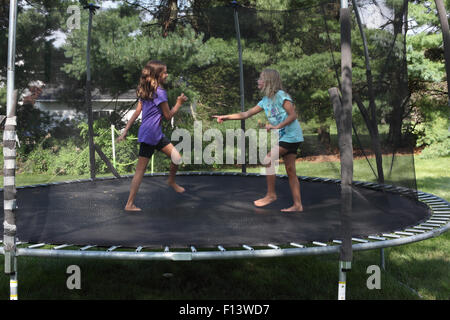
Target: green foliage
{"type": "Point", "coordinates": [438, 149]}
{"type": "Point", "coordinates": [424, 49]}
{"type": "Point", "coordinates": [3, 99]}
{"type": "Point", "coordinates": [126, 151]}
{"type": "Point", "coordinates": [433, 131]}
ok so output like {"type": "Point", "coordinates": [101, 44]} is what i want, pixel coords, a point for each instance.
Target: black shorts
{"type": "Point", "coordinates": [147, 150]}
{"type": "Point", "coordinates": [291, 147]}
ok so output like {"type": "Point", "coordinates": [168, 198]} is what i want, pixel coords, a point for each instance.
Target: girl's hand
{"type": "Point", "coordinates": [122, 136]}
{"type": "Point", "coordinates": [270, 127]}
{"type": "Point", "coordinates": [181, 99]}
{"type": "Point", "coordinates": [220, 119]}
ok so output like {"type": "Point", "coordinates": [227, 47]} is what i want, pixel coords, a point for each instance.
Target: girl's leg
{"type": "Point", "coordinates": [269, 162]}
{"type": "Point", "coordinates": [174, 155]}
{"type": "Point", "coordinates": [289, 162]}
{"type": "Point", "coordinates": [135, 183]}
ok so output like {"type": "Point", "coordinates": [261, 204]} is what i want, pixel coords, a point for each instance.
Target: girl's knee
{"type": "Point", "coordinates": [290, 169]}
{"type": "Point", "coordinates": [267, 162]}
{"type": "Point", "coordinates": [175, 157]}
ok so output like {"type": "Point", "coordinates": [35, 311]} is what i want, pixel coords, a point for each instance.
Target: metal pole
{"type": "Point", "coordinates": [345, 143]}
{"type": "Point", "coordinates": [9, 154]}
{"type": "Point", "coordinates": [113, 145]}
{"type": "Point", "coordinates": [92, 9]}
{"type": "Point", "coordinates": [382, 259]}
{"type": "Point", "coordinates": [344, 266]}
{"type": "Point", "coordinates": [241, 78]}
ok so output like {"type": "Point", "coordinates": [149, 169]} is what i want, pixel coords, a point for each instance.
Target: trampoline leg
{"type": "Point", "coordinates": [13, 283]}
{"type": "Point", "coordinates": [344, 266]}
{"type": "Point", "coordinates": [382, 258]}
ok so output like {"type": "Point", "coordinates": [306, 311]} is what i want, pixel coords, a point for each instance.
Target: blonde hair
{"type": "Point", "coordinates": [149, 80]}
{"type": "Point", "coordinates": [272, 82]}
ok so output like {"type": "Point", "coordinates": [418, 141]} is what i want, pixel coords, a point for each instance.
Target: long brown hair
{"type": "Point", "coordinates": [272, 82]}
{"type": "Point", "coordinates": [149, 80]}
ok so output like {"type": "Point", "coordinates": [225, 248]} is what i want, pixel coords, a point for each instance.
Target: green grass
{"type": "Point", "coordinates": [416, 271]}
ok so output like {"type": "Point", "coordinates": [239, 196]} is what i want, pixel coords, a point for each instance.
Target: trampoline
{"type": "Point", "coordinates": [216, 213]}
{"type": "Point", "coordinates": [215, 218]}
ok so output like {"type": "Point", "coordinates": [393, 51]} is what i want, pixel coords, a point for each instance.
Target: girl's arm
{"type": "Point", "coordinates": [169, 113]}
{"type": "Point", "coordinates": [239, 116]}
{"type": "Point", "coordinates": [292, 116]}
{"type": "Point", "coordinates": [133, 118]}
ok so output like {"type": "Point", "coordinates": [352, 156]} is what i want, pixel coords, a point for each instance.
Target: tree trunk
{"type": "Point", "coordinates": [169, 16]}
{"type": "Point", "coordinates": [446, 38]}
{"type": "Point", "coordinates": [397, 79]}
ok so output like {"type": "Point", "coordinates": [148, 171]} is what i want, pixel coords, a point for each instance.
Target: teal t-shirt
{"type": "Point", "coordinates": [273, 107]}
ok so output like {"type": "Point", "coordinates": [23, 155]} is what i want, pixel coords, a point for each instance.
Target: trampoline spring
{"type": "Point", "coordinates": [443, 211]}
{"type": "Point", "coordinates": [320, 244]}
{"type": "Point", "coordinates": [434, 202]}
{"type": "Point", "coordinates": [221, 248]}
{"type": "Point", "coordinates": [444, 221]}
{"type": "Point", "coordinates": [415, 230]}
{"type": "Point", "coordinates": [360, 240]}
{"type": "Point", "coordinates": [430, 224]}
{"type": "Point", "coordinates": [273, 246]}
{"type": "Point", "coordinates": [62, 246]}
{"type": "Point", "coordinates": [87, 247]}
{"type": "Point", "coordinates": [166, 249]}
{"type": "Point", "coordinates": [247, 247]}
{"type": "Point", "coordinates": [428, 196]}
{"type": "Point", "coordinates": [38, 245]}
{"type": "Point", "coordinates": [402, 233]}
{"type": "Point", "coordinates": [423, 228]}
{"type": "Point", "coordinates": [376, 238]}
{"type": "Point", "coordinates": [139, 249]}
{"type": "Point", "coordinates": [193, 249]}
{"type": "Point", "coordinates": [337, 241]}
{"type": "Point", "coordinates": [442, 215]}
{"type": "Point", "coordinates": [297, 245]}
{"type": "Point", "coordinates": [390, 235]}
{"type": "Point", "coordinates": [112, 248]}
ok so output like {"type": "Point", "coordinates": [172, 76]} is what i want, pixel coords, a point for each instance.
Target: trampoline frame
{"type": "Point", "coordinates": [437, 224]}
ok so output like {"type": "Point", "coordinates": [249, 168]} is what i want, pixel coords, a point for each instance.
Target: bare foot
{"type": "Point", "coordinates": [132, 208]}
{"type": "Point", "coordinates": [176, 187]}
{"type": "Point", "coordinates": [265, 201]}
{"type": "Point", "coordinates": [294, 208]}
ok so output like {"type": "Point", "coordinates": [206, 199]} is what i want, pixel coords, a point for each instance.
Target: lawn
{"type": "Point", "coordinates": [416, 271]}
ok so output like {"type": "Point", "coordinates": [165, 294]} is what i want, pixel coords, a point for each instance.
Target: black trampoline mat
{"type": "Point", "coordinates": [214, 210]}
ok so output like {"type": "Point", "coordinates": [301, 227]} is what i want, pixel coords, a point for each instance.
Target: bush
{"type": "Point", "coordinates": [441, 149]}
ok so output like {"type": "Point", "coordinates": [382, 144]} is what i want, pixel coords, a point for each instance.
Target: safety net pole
{"type": "Point", "coordinates": [241, 80]}
{"type": "Point", "coordinates": [91, 9]}
{"type": "Point", "coordinates": [9, 154]}
{"type": "Point", "coordinates": [344, 122]}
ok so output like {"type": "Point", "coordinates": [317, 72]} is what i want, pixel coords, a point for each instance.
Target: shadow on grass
{"type": "Point", "coordinates": [290, 278]}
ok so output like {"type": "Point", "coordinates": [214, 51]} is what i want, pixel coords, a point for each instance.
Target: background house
{"type": "Point", "coordinates": [48, 98]}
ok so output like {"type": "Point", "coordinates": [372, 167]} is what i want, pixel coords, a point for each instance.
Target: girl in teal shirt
{"type": "Point", "coordinates": [280, 111]}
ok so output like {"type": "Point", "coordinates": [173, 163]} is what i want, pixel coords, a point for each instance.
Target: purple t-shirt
{"type": "Point", "coordinates": [150, 131]}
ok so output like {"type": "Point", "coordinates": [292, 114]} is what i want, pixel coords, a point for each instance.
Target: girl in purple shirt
{"type": "Point", "coordinates": [154, 106]}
